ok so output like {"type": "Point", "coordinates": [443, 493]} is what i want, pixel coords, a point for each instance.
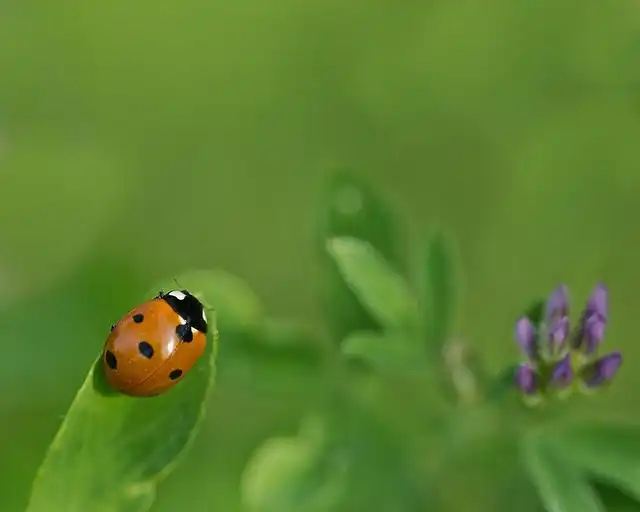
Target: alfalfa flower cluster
{"type": "Point", "coordinates": [560, 357]}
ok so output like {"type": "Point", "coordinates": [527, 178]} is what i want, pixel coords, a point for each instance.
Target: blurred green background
{"type": "Point", "coordinates": [140, 139]}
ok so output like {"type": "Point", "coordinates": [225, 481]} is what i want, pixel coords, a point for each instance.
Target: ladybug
{"type": "Point", "coordinates": [154, 345]}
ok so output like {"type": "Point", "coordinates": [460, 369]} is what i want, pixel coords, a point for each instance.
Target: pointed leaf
{"type": "Point", "coordinates": [439, 291]}
{"type": "Point", "coordinates": [352, 209]}
{"type": "Point", "coordinates": [112, 450]}
{"type": "Point", "coordinates": [561, 486]}
{"type": "Point", "coordinates": [609, 452]}
{"type": "Point", "coordinates": [377, 285]}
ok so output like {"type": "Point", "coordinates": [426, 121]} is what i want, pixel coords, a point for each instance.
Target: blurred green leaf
{"type": "Point", "coordinates": [111, 450]}
{"type": "Point", "coordinates": [561, 485]}
{"type": "Point", "coordinates": [282, 475]}
{"type": "Point", "coordinates": [614, 499]}
{"type": "Point", "coordinates": [377, 459]}
{"type": "Point", "coordinates": [384, 351]}
{"type": "Point", "coordinates": [610, 453]}
{"type": "Point", "coordinates": [339, 461]}
{"type": "Point", "coordinates": [376, 284]}
{"type": "Point", "coordinates": [352, 209]}
{"type": "Point", "coordinates": [465, 378]}
{"type": "Point", "coordinates": [439, 293]}
{"type": "Point", "coordinates": [475, 464]}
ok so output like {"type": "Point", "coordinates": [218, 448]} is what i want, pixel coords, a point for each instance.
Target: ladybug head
{"type": "Point", "coordinates": [188, 307]}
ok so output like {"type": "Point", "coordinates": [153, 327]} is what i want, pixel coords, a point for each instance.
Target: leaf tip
{"type": "Point", "coordinates": [340, 246]}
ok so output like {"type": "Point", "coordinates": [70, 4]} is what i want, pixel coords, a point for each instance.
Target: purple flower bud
{"type": "Point", "coordinates": [603, 370]}
{"type": "Point", "coordinates": [562, 375]}
{"type": "Point", "coordinates": [526, 336]}
{"type": "Point", "coordinates": [590, 332]}
{"type": "Point", "coordinates": [598, 303]}
{"type": "Point", "coordinates": [558, 334]}
{"type": "Point", "coordinates": [557, 305]}
{"type": "Point", "coordinates": [526, 379]}
{"type": "Point", "coordinates": [593, 333]}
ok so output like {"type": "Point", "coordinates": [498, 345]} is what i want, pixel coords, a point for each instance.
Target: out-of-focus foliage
{"type": "Point", "coordinates": [283, 474]}
{"type": "Point", "coordinates": [140, 139]}
{"type": "Point", "coordinates": [383, 292]}
{"type": "Point", "coordinates": [352, 210]}
{"type": "Point", "coordinates": [439, 292]}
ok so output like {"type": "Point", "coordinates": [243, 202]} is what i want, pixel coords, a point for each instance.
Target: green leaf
{"type": "Point", "coordinates": [380, 289]}
{"type": "Point", "coordinates": [351, 208]}
{"type": "Point", "coordinates": [561, 486]}
{"type": "Point", "coordinates": [383, 351]}
{"type": "Point", "coordinates": [614, 499]}
{"type": "Point", "coordinates": [439, 294]}
{"type": "Point", "coordinates": [337, 462]}
{"type": "Point", "coordinates": [284, 474]}
{"type": "Point", "coordinates": [609, 452]}
{"type": "Point", "coordinates": [111, 450]}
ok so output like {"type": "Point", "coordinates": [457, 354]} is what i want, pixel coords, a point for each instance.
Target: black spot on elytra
{"type": "Point", "coordinates": [110, 359]}
{"type": "Point", "coordinates": [189, 308]}
{"type": "Point", "coordinates": [175, 374]}
{"type": "Point", "coordinates": [138, 318]}
{"type": "Point", "coordinates": [113, 327]}
{"type": "Point", "coordinates": [145, 349]}
{"type": "Point", "coordinates": [184, 333]}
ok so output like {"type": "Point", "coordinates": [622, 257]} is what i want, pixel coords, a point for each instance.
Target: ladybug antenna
{"type": "Point", "coordinates": [175, 280]}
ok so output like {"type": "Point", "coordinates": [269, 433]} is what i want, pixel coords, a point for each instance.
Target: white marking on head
{"type": "Point", "coordinates": [177, 294]}
{"type": "Point", "coordinates": [182, 320]}
{"type": "Point", "coordinates": [194, 330]}
{"type": "Point", "coordinates": [204, 316]}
